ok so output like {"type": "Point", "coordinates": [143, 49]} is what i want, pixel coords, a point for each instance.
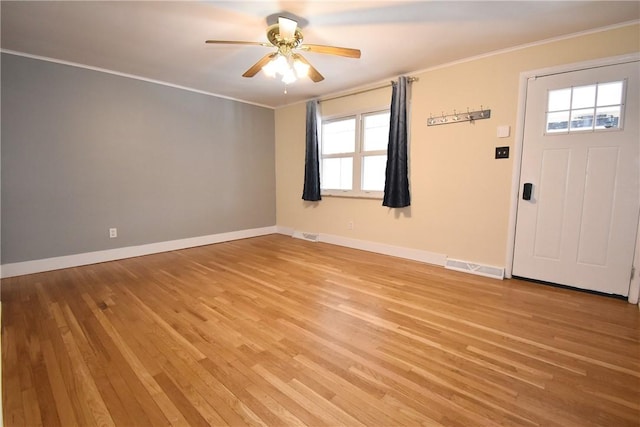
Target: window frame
{"type": "Point", "coordinates": [357, 156]}
{"type": "Point", "coordinates": [570, 110]}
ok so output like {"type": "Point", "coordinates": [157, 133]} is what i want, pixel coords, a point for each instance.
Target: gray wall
{"type": "Point", "coordinates": [83, 151]}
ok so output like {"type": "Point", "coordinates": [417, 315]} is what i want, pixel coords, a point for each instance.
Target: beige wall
{"type": "Point", "coordinates": [460, 193]}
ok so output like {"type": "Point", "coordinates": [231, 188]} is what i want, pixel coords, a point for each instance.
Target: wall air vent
{"type": "Point", "coordinates": [310, 237]}
{"type": "Point", "coordinates": [479, 269]}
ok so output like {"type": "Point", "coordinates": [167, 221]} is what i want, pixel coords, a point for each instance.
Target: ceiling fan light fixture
{"type": "Point", "coordinates": [302, 69]}
{"type": "Point", "coordinates": [289, 69]}
{"type": "Point", "coordinates": [289, 76]}
{"type": "Point", "coordinates": [270, 69]}
{"type": "Point", "coordinates": [277, 65]}
{"type": "Point", "coordinates": [287, 28]}
{"type": "Point", "coordinates": [286, 62]}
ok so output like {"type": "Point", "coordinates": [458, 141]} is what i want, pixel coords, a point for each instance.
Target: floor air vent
{"type": "Point", "coordinates": [479, 269]}
{"type": "Point", "coordinates": [311, 237]}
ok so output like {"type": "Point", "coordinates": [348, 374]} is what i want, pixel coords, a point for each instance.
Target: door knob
{"type": "Point", "coordinates": [526, 192]}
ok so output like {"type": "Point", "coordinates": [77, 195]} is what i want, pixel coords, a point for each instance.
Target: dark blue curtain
{"type": "Point", "coordinates": [396, 186]}
{"type": "Point", "coordinates": [311, 191]}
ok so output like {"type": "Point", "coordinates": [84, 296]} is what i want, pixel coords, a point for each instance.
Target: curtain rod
{"type": "Point", "coordinates": [409, 80]}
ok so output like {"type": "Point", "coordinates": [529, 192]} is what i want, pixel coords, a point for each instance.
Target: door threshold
{"type": "Point", "coordinates": [572, 288]}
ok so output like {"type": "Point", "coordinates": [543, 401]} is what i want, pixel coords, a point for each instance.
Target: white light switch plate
{"type": "Point", "coordinates": [504, 131]}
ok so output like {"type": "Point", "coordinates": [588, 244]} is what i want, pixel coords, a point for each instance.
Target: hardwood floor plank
{"type": "Point", "coordinates": [272, 394]}
{"type": "Point", "coordinates": [63, 404]}
{"type": "Point", "coordinates": [348, 395]}
{"type": "Point", "coordinates": [325, 406]}
{"type": "Point", "coordinates": [75, 342]}
{"type": "Point", "coordinates": [274, 331]}
{"type": "Point", "coordinates": [187, 409]}
{"type": "Point", "coordinates": [31, 408]}
{"type": "Point", "coordinates": [204, 397]}
{"type": "Point", "coordinates": [238, 383]}
{"type": "Point", "coordinates": [13, 411]}
{"type": "Point", "coordinates": [325, 418]}
{"type": "Point", "coordinates": [280, 411]}
{"type": "Point", "coordinates": [117, 375]}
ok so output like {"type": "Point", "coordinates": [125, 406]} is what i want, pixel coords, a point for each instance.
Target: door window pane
{"type": "Point", "coordinates": [585, 108]}
{"type": "Point", "coordinates": [339, 136]}
{"type": "Point", "coordinates": [376, 131]}
{"type": "Point", "coordinates": [583, 97]}
{"type": "Point", "coordinates": [610, 94]}
{"type": "Point", "coordinates": [558, 122]}
{"type": "Point", "coordinates": [582, 120]}
{"type": "Point", "coordinates": [373, 173]}
{"type": "Point", "coordinates": [608, 117]}
{"type": "Point", "coordinates": [559, 99]}
{"type": "Point", "coordinates": [337, 173]}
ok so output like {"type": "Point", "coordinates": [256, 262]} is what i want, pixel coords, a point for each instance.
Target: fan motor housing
{"type": "Point", "coordinates": [273, 35]}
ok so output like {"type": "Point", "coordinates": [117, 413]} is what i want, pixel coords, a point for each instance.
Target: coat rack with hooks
{"type": "Point", "coordinates": [456, 117]}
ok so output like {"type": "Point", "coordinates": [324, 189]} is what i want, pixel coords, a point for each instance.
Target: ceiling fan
{"type": "Point", "coordinates": [287, 38]}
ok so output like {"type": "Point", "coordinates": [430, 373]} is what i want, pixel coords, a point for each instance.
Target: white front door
{"type": "Point", "coordinates": [579, 195]}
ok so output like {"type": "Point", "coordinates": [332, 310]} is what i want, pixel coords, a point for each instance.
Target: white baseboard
{"type": "Point", "coordinates": [401, 252]}
{"type": "Point", "coordinates": [287, 231]}
{"type": "Point", "coordinates": [382, 248]}
{"type": "Point", "coordinates": [57, 263]}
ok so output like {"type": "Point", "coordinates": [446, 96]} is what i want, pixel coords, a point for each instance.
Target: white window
{"type": "Point", "coordinates": [354, 154]}
{"type": "Point", "coordinates": [598, 106]}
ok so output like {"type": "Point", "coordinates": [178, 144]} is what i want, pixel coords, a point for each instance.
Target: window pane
{"type": "Point", "coordinates": [583, 97]}
{"type": "Point", "coordinates": [582, 119]}
{"type": "Point", "coordinates": [337, 173]}
{"type": "Point", "coordinates": [558, 122]}
{"type": "Point", "coordinates": [610, 94]}
{"type": "Point", "coordinates": [373, 173]}
{"type": "Point", "coordinates": [608, 117]}
{"type": "Point", "coordinates": [339, 136]}
{"type": "Point", "coordinates": [596, 106]}
{"type": "Point", "coordinates": [559, 99]}
{"type": "Point", "coordinates": [376, 131]}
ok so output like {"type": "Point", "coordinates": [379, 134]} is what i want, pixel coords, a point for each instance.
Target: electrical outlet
{"type": "Point", "coordinates": [113, 233]}
{"type": "Point", "coordinates": [502, 152]}
{"type": "Point", "coordinates": [350, 225]}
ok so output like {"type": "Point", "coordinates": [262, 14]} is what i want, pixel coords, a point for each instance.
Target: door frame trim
{"type": "Point", "coordinates": [634, 286]}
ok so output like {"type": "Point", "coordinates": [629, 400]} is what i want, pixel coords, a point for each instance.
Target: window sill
{"type": "Point", "coordinates": [374, 195]}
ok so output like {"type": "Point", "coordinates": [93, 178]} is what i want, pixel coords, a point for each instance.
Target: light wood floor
{"type": "Point", "coordinates": [277, 331]}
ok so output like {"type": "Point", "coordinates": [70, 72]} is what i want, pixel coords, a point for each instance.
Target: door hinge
{"type": "Point", "coordinates": [633, 272]}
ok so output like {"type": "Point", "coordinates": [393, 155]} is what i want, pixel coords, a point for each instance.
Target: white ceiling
{"type": "Point", "coordinates": [164, 41]}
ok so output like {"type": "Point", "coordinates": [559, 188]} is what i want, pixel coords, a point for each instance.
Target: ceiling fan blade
{"type": "Point", "coordinates": [313, 73]}
{"type": "Point", "coordinates": [287, 27]}
{"type": "Point", "coordinates": [331, 50]}
{"type": "Point", "coordinates": [255, 68]}
{"type": "Point", "coordinates": [238, 42]}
